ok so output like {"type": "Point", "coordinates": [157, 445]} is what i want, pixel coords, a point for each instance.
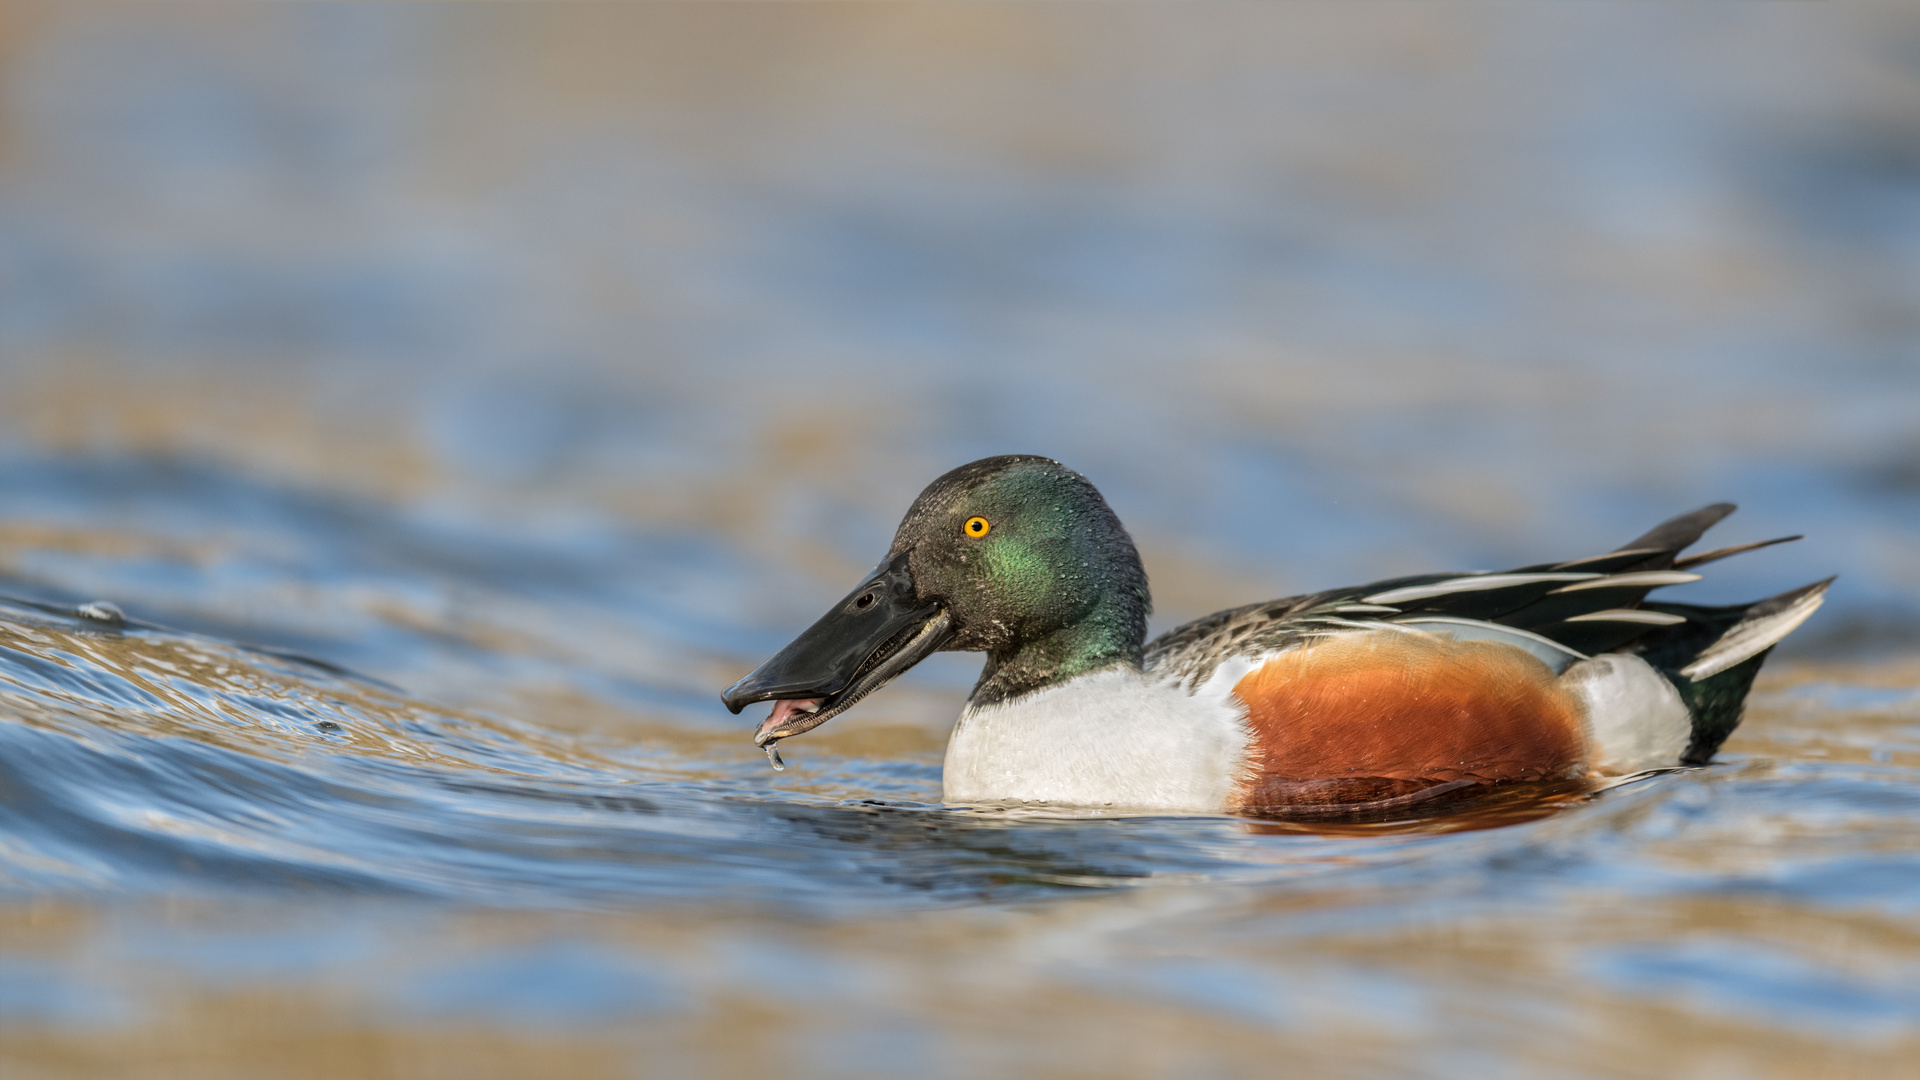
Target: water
{"type": "Point", "coordinates": [456, 399]}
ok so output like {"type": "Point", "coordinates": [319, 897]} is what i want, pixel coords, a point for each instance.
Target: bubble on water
{"type": "Point", "coordinates": [104, 612]}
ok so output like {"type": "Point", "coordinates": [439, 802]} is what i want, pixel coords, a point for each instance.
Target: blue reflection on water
{"type": "Point", "coordinates": [556, 984]}
{"type": "Point", "coordinates": [1748, 978]}
{"type": "Point", "coordinates": [646, 372]}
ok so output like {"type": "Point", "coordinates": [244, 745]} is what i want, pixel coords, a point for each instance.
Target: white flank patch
{"type": "Point", "coordinates": [1115, 738]}
{"type": "Point", "coordinates": [1634, 714]}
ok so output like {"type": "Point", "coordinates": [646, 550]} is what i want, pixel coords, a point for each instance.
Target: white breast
{"type": "Point", "coordinates": [1109, 739]}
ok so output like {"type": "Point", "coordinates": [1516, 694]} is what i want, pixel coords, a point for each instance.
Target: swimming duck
{"type": "Point", "coordinates": [1359, 697]}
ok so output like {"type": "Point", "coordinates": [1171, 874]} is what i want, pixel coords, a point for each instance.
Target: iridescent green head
{"type": "Point", "coordinates": [1017, 557]}
{"type": "Point", "coordinates": [1027, 558]}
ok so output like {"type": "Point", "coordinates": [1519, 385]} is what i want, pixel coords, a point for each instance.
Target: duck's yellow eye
{"type": "Point", "coordinates": [977, 527]}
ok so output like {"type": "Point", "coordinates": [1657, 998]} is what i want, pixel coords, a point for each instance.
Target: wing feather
{"type": "Point", "coordinates": [1577, 607]}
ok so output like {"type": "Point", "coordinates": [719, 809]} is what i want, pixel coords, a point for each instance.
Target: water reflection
{"type": "Point", "coordinates": [145, 759]}
{"type": "Point", "coordinates": [455, 397]}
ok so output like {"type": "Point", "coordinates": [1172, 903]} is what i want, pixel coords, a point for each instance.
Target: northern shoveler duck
{"type": "Point", "coordinates": [1381, 694]}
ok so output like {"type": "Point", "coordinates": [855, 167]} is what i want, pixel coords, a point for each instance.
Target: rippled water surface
{"type": "Point", "coordinates": [456, 398]}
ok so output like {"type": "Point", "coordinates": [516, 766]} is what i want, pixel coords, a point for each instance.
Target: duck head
{"type": "Point", "coordinates": [1016, 556]}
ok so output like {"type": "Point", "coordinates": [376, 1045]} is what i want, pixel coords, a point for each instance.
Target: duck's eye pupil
{"type": "Point", "coordinates": [864, 601]}
{"type": "Point", "coordinates": [977, 526]}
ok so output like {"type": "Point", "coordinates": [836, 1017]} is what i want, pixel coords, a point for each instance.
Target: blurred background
{"type": "Point", "coordinates": [552, 365]}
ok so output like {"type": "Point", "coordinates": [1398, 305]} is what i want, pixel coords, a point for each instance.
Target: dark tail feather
{"type": "Point", "coordinates": [1675, 535]}
{"type": "Point", "coordinates": [1713, 657]}
{"type": "Point", "coordinates": [1710, 654]}
{"type": "Point", "coordinates": [1717, 554]}
{"type": "Point", "coordinates": [1717, 704]}
{"type": "Point", "coordinates": [1656, 549]}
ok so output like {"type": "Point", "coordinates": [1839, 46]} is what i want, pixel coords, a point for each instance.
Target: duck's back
{"type": "Point", "coordinates": [1408, 686]}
